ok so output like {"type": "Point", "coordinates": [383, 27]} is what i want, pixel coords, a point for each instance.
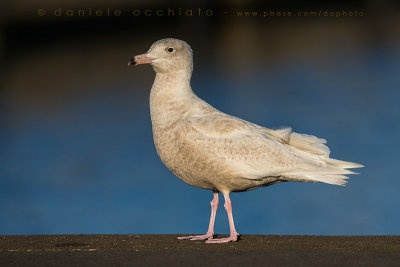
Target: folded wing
{"type": "Point", "coordinates": [255, 152]}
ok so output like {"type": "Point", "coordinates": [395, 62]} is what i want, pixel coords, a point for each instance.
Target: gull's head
{"type": "Point", "coordinates": [167, 55]}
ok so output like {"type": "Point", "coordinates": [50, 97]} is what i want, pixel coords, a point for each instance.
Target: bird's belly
{"type": "Point", "coordinates": [192, 177]}
{"type": "Point", "coordinates": [186, 167]}
{"type": "Point", "coordinates": [197, 168]}
{"type": "Point", "coordinates": [188, 164]}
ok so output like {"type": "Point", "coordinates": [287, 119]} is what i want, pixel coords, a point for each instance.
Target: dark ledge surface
{"type": "Point", "coordinates": [166, 250]}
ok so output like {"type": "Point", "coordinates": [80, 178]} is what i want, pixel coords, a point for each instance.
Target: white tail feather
{"type": "Point", "coordinates": [335, 179]}
{"type": "Point", "coordinates": [309, 143]}
{"type": "Point", "coordinates": [342, 164]}
{"type": "Point", "coordinates": [330, 171]}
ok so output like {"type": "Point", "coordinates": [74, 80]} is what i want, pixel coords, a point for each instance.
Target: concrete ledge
{"type": "Point", "coordinates": [166, 250]}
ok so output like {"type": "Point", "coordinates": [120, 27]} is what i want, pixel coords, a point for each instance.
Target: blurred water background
{"type": "Point", "coordinates": [77, 154]}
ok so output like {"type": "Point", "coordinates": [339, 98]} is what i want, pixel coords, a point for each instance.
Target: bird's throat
{"type": "Point", "coordinates": [171, 97]}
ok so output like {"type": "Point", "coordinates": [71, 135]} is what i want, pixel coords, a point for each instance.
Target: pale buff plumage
{"type": "Point", "coordinates": [209, 149]}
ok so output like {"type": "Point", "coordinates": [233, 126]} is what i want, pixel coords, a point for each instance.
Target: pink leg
{"type": "Point", "coordinates": [234, 235]}
{"type": "Point", "coordinates": [210, 232]}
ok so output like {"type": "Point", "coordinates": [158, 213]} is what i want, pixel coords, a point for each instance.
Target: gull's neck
{"type": "Point", "coordinates": [176, 84]}
{"type": "Point", "coordinates": [171, 98]}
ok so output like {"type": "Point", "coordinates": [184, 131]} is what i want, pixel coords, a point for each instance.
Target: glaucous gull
{"type": "Point", "coordinates": [209, 149]}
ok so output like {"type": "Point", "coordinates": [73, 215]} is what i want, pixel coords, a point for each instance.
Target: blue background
{"type": "Point", "coordinates": [77, 154]}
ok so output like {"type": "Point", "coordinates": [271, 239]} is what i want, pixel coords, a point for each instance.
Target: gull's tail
{"type": "Point", "coordinates": [314, 150]}
{"type": "Point", "coordinates": [332, 171]}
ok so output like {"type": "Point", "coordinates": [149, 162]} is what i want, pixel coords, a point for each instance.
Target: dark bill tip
{"type": "Point", "coordinates": [131, 61]}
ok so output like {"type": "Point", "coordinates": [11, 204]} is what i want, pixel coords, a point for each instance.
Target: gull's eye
{"type": "Point", "coordinates": [170, 49]}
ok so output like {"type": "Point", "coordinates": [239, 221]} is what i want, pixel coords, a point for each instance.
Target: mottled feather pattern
{"type": "Point", "coordinates": [213, 150]}
{"type": "Point", "coordinates": [209, 149]}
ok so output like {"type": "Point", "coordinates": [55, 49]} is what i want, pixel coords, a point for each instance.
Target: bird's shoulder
{"type": "Point", "coordinates": [219, 125]}
{"type": "Point", "coordinates": [216, 124]}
